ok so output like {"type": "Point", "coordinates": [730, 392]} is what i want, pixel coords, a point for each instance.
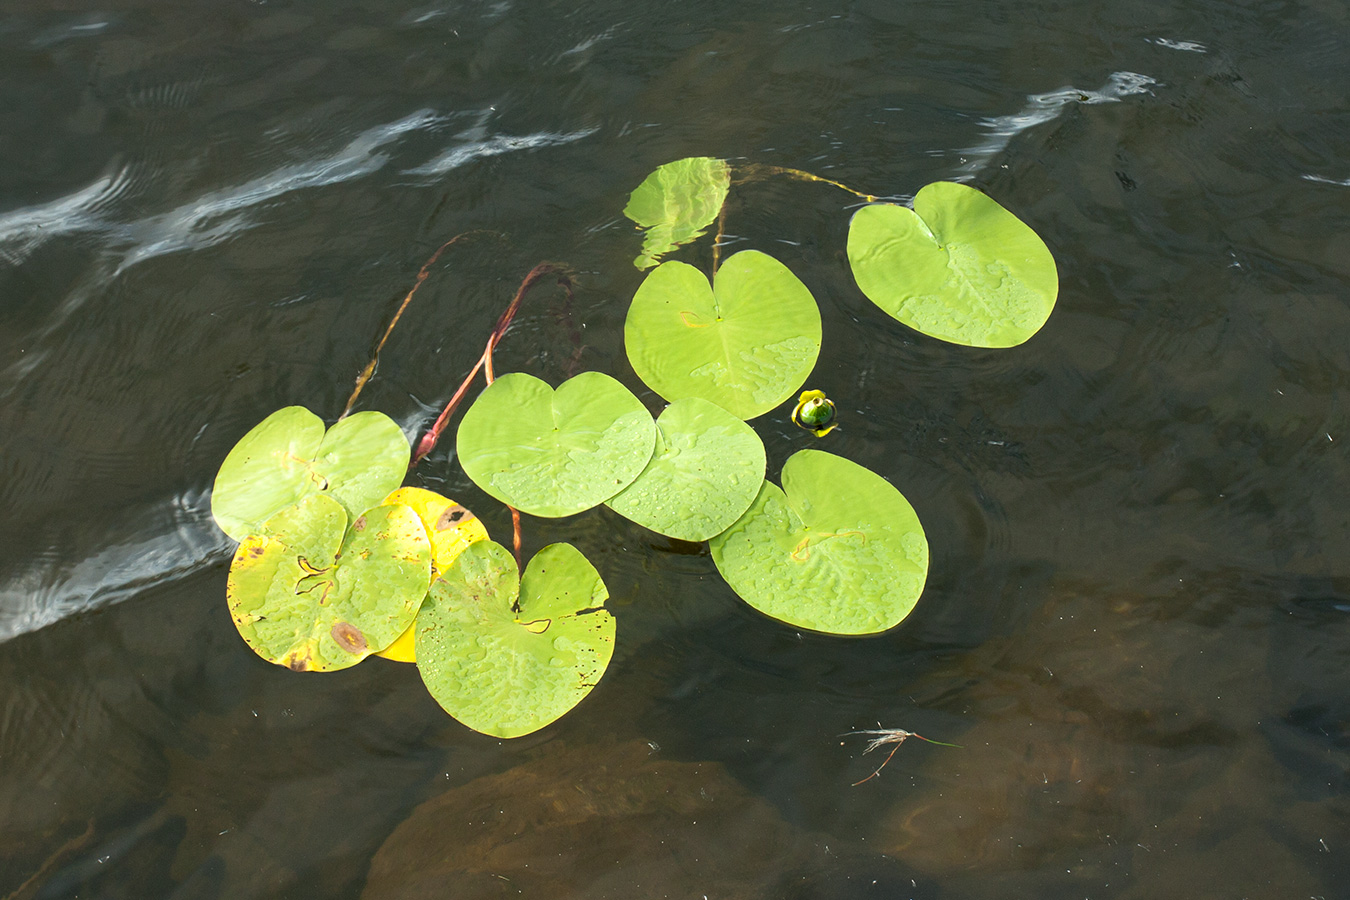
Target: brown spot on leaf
{"type": "Point", "coordinates": [298, 663]}
{"type": "Point", "coordinates": [255, 551]}
{"type": "Point", "coordinates": [452, 516]}
{"type": "Point", "coordinates": [348, 637]}
{"type": "Point", "coordinates": [359, 524]}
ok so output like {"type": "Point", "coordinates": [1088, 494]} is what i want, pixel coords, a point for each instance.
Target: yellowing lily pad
{"type": "Point", "coordinates": [555, 453]}
{"type": "Point", "coordinates": [746, 342]}
{"type": "Point", "coordinates": [288, 457]}
{"type": "Point", "coordinates": [707, 467]}
{"type": "Point", "coordinates": [504, 671]}
{"type": "Point", "coordinates": [311, 594]}
{"type": "Point", "coordinates": [837, 549]}
{"type": "Point", "coordinates": [451, 528]}
{"type": "Point", "coordinates": [958, 266]}
{"type": "Point", "coordinates": [676, 203]}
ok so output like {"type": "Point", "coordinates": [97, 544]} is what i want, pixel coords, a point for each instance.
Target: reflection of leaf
{"type": "Point", "coordinates": [958, 267]}
{"type": "Point", "coordinates": [676, 202]}
{"type": "Point", "coordinates": [707, 468]}
{"type": "Point", "coordinates": [508, 673]}
{"type": "Point", "coordinates": [555, 453]}
{"type": "Point", "coordinates": [837, 549]}
{"type": "Point", "coordinates": [288, 457]}
{"type": "Point", "coordinates": [745, 343]}
{"type": "Point", "coordinates": [309, 593]}
{"type": "Point", "coordinates": [451, 528]}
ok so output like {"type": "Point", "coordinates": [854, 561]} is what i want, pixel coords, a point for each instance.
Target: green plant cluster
{"type": "Point", "coordinates": [336, 562]}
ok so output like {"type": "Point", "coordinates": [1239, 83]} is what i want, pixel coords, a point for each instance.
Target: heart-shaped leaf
{"type": "Point", "coordinates": [451, 528]}
{"type": "Point", "coordinates": [288, 457]}
{"type": "Point", "coordinates": [838, 549]}
{"type": "Point", "coordinates": [506, 672]}
{"type": "Point", "coordinates": [957, 266]}
{"type": "Point", "coordinates": [746, 342]}
{"type": "Point", "coordinates": [555, 453]}
{"type": "Point", "coordinates": [676, 202]}
{"type": "Point", "coordinates": [706, 470]}
{"type": "Point", "coordinates": [309, 593]}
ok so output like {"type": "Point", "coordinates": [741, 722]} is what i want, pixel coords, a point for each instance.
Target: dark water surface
{"type": "Point", "coordinates": [1137, 624]}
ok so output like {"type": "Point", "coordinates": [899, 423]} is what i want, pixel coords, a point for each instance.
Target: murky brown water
{"type": "Point", "coordinates": [1137, 625]}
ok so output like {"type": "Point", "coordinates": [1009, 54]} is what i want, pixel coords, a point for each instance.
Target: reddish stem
{"type": "Point", "coordinates": [428, 442]}
{"type": "Point", "coordinates": [433, 434]}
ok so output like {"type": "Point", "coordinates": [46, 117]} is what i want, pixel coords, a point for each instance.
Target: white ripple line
{"type": "Point", "coordinates": [49, 589]}
{"type": "Point", "coordinates": [23, 230]}
{"type": "Point", "coordinates": [1187, 46]}
{"type": "Point", "coordinates": [199, 223]}
{"type": "Point", "coordinates": [458, 156]}
{"type": "Point", "coordinates": [1042, 108]}
{"type": "Point", "coordinates": [218, 215]}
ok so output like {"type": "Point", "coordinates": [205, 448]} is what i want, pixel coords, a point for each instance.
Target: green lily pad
{"type": "Point", "coordinates": [288, 457]}
{"type": "Point", "coordinates": [555, 453]}
{"type": "Point", "coordinates": [311, 594]}
{"type": "Point", "coordinates": [837, 549]}
{"type": "Point", "coordinates": [676, 203]}
{"type": "Point", "coordinates": [957, 266]}
{"type": "Point", "coordinates": [706, 470]}
{"type": "Point", "coordinates": [746, 342]}
{"type": "Point", "coordinates": [508, 673]}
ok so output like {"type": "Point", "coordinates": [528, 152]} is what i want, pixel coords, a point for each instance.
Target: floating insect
{"type": "Point", "coordinates": [879, 737]}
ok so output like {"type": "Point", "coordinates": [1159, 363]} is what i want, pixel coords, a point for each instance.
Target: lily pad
{"type": "Point", "coordinates": [746, 342]}
{"type": "Point", "coordinates": [288, 457]}
{"type": "Point", "coordinates": [555, 453]}
{"type": "Point", "coordinates": [837, 549]}
{"type": "Point", "coordinates": [311, 594]}
{"type": "Point", "coordinates": [505, 672]}
{"type": "Point", "coordinates": [706, 470]}
{"type": "Point", "coordinates": [958, 266]}
{"type": "Point", "coordinates": [676, 203]}
{"type": "Point", "coordinates": [451, 528]}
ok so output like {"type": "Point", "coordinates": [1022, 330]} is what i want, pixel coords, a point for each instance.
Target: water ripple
{"type": "Point", "coordinates": [23, 230]}
{"type": "Point", "coordinates": [1322, 179]}
{"type": "Point", "coordinates": [172, 539]}
{"type": "Point", "coordinates": [457, 156]}
{"type": "Point", "coordinates": [215, 216]}
{"type": "Point", "coordinates": [1042, 108]}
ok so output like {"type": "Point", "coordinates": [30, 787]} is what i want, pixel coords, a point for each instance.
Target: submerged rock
{"type": "Point", "coordinates": [614, 820]}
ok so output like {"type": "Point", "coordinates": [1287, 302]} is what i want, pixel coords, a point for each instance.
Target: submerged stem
{"type": "Point", "coordinates": [535, 275]}
{"type": "Point", "coordinates": [36, 880]}
{"type": "Point", "coordinates": [425, 271]}
{"type": "Point", "coordinates": [717, 241]}
{"type": "Point", "coordinates": [755, 171]}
